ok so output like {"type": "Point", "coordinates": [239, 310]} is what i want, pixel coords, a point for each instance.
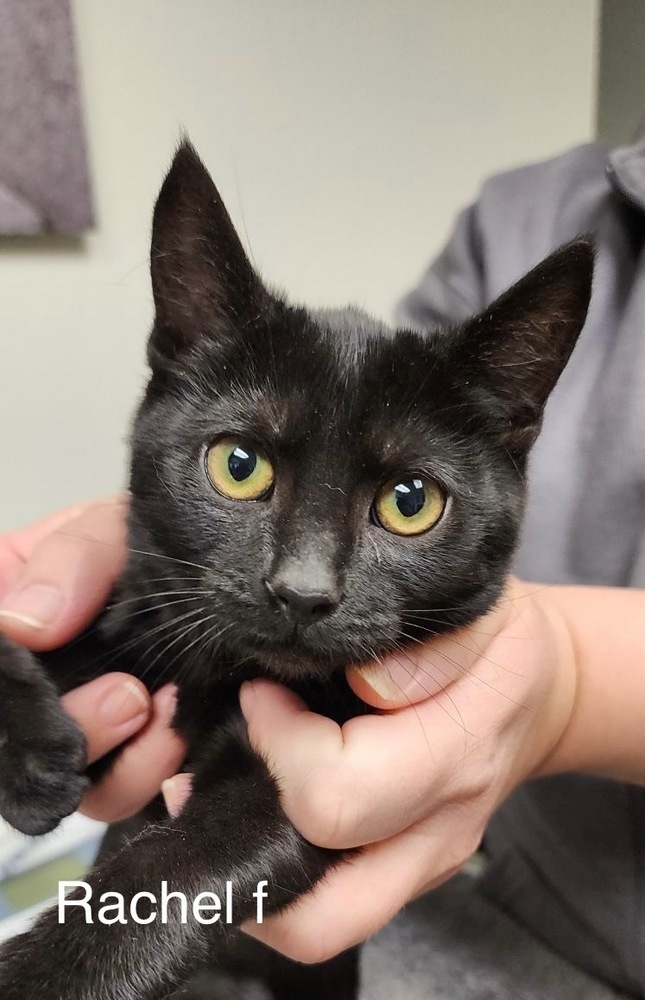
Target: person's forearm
{"type": "Point", "coordinates": [606, 732]}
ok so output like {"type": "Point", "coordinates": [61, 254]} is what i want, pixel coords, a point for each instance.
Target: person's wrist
{"type": "Point", "coordinates": [553, 751]}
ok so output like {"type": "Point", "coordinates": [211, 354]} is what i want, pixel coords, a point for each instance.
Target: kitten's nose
{"type": "Point", "coordinates": [304, 603]}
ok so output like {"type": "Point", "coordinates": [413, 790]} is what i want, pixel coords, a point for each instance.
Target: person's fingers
{"type": "Point", "coordinates": [343, 787]}
{"type": "Point", "coordinates": [109, 710]}
{"type": "Point", "coordinates": [17, 546]}
{"type": "Point", "coordinates": [154, 754]}
{"type": "Point", "coordinates": [176, 792]}
{"type": "Point", "coordinates": [66, 578]}
{"type": "Point", "coordinates": [363, 894]}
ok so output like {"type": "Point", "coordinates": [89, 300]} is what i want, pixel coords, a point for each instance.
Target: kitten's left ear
{"type": "Point", "coordinates": [202, 281]}
{"type": "Point", "coordinates": [519, 346]}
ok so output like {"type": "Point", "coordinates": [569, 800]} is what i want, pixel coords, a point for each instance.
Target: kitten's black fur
{"type": "Point", "coordinates": [294, 586]}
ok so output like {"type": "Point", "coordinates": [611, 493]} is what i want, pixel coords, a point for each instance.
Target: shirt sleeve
{"type": "Point", "coordinates": [453, 286]}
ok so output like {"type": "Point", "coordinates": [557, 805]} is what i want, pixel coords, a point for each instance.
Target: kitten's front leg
{"type": "Point", "coordinates": [42, 750]}
{"type": "Point", "coordinates": [232, 829]}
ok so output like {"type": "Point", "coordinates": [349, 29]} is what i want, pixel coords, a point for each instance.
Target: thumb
{"type": "Point", "coordinates": [412, 675]}
{"type": "Point", "coordinates": [425, 669]}
{"type": "Point", "coordinates": [66, 579]}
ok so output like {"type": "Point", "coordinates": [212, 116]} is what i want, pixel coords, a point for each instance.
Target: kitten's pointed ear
{"type": "Point", "coordinates": [519, 346]}
{"type": "Point", "coordinates": [202, 281]}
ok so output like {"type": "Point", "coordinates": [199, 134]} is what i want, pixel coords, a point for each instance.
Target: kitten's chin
{"type": "Point", "coordinates": [294, 665]}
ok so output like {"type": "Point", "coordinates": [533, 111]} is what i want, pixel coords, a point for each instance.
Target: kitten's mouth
{"type": "Point", "coordinates": [301, 656]}
{"type": "Point", "coordinates": [293, 652]}
{"type": "Point", "coordinates": [295, 659]}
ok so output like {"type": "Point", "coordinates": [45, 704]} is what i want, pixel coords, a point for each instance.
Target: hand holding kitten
{"type": "Point", "coordinates": [541, 685]}
{"type": "Point", "coordinates": [465, 719]}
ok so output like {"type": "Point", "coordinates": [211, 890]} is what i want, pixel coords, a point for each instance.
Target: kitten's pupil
{"type": "Point", "coordinates": [242, 463]}
{"type": "Point", "coordinates": [410, 497]}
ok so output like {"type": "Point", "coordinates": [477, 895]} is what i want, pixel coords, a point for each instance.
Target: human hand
{"type": "Point", "coordinates": [55, 576]}
{"type": "Point", "coordinates": [464, 720]}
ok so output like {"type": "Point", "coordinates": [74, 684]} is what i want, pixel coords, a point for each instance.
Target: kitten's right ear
{"type": "Point", "coordinates": [202, 281]}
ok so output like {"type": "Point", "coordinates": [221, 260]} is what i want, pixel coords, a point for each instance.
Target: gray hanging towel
{"type": "Point", "coordinates": [44, 182]}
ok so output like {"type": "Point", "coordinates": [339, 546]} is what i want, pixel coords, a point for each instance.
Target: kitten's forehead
{"type": "Point", "coordinates": [352, 331]}
{"type": "Point", "coordinates": [338, 387]}
{"type": "Point", "coordinates": [325, 369]}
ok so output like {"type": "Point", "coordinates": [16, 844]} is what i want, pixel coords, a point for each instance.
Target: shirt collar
{"type": "Point", "coordinates": [626, 169]}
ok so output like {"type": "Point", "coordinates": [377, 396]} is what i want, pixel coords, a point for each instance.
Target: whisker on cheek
{"type": "Point", "coordinates": [443, 687]}
{"type": "Point", "coordinates": [129, 548]}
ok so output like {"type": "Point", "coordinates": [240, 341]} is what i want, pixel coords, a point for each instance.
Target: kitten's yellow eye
{"type": "Point", "coordinates": [239, 470]}
{"type": "Point", "coordinates": [409, 505]}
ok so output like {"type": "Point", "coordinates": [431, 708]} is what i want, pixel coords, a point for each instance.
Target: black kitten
{"type": "Point", "coordinates": [302, 484]}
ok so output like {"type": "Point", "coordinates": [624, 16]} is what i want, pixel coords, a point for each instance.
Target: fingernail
{"type": "Point", "coordinates": [392, 680]}
{"type": "Point", "coordinates": [167, 702]}
{"type": "Point", "coordinates": [382, 681]}
{"type": "Point", "coordinates": [248, 692]}
{"type": "Point", "coordinates": [124, 703]}
{"type": "Point", "coordinates": [36, 606]}
{"type": "Point", "coordinates": [176, 791]}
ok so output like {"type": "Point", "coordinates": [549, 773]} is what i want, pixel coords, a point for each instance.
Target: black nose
{"type": "Point", "coordinates": [303, 604]}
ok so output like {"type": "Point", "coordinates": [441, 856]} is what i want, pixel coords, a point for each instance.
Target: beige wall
{"type": "Point", "coordinates": [348, 133]}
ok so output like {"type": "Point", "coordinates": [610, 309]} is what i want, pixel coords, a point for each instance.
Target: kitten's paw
{"type": "Point", "coordinates": [41, 774]}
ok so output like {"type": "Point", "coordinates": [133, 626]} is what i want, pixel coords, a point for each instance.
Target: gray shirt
{"type": "Point", "coordinates": [567, 854]}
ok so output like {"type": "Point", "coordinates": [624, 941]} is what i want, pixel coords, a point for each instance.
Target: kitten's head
{"type": "Point", "coordinates": [334, 489]}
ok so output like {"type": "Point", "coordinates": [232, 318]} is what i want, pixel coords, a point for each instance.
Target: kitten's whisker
{"type": "Point", "coordinates": [141, 552]}
{"type": "Point", "coordinates": [431, 694]}
{"type": "Point", "coordinates": [411, 704]}
{"type": "Point", "coordinates": [239, 202]}
{"type": "Point", "coordinates": [440, 621]}
{"type": "Point", "coordinates": [174, 627]}
{"type": "Point", "coordinates": [201, 650]}
{"type": "Point", "coordinates": [480, 680]}
{"type": "Point", "coordinates": [159, 607]}
{"type": "Point", "coordinates": [164, 626]}
{"type": "Point", "coordinates": [412, 638]}
{"type": "Point", "coordinates": [422, 664]}
{"type": "Point", "coordinates": [173, 579]}
{"type": "Point", "coordinates": [483, 656]}
{"type": "Point", "coordinates": [193, 642]}
{"type": "Point", "coordinates": [430, 611]}
{"type": "Point", "coordinates": [154, 596]}
{"type": "Point", "coordinates": [205, 639]}
{"type": "Point", "coordinates": [188, 628]}
{"type": "Point", "coordinates": [198, 653]}
{"type": "Point", "coordinates": [114, 652]}
{"type": "Point", "coordinates": [174, 559]}
{"type": "Point", "coordinates": [149, 596]}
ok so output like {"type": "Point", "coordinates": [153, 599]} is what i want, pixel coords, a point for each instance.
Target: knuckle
{"type": "Point", "coordinates": [312, 952]}
{"type": "Point", "coordinates": [476, 781]}
{"type": "Point", "coordinates": [478, 786]}
{"type": "Point", "coordinates": [96, 809]}
{"type": "Point", "coordinates": [107, 811]}
{"type": "Point", "coordinates": [321, 813]}
{"type": "Point", "coordinates": [310, 949]}
{"type": "Point", "coordinates": [468, 844]}
{"type": "Point", "coordinates": [464, 843]}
